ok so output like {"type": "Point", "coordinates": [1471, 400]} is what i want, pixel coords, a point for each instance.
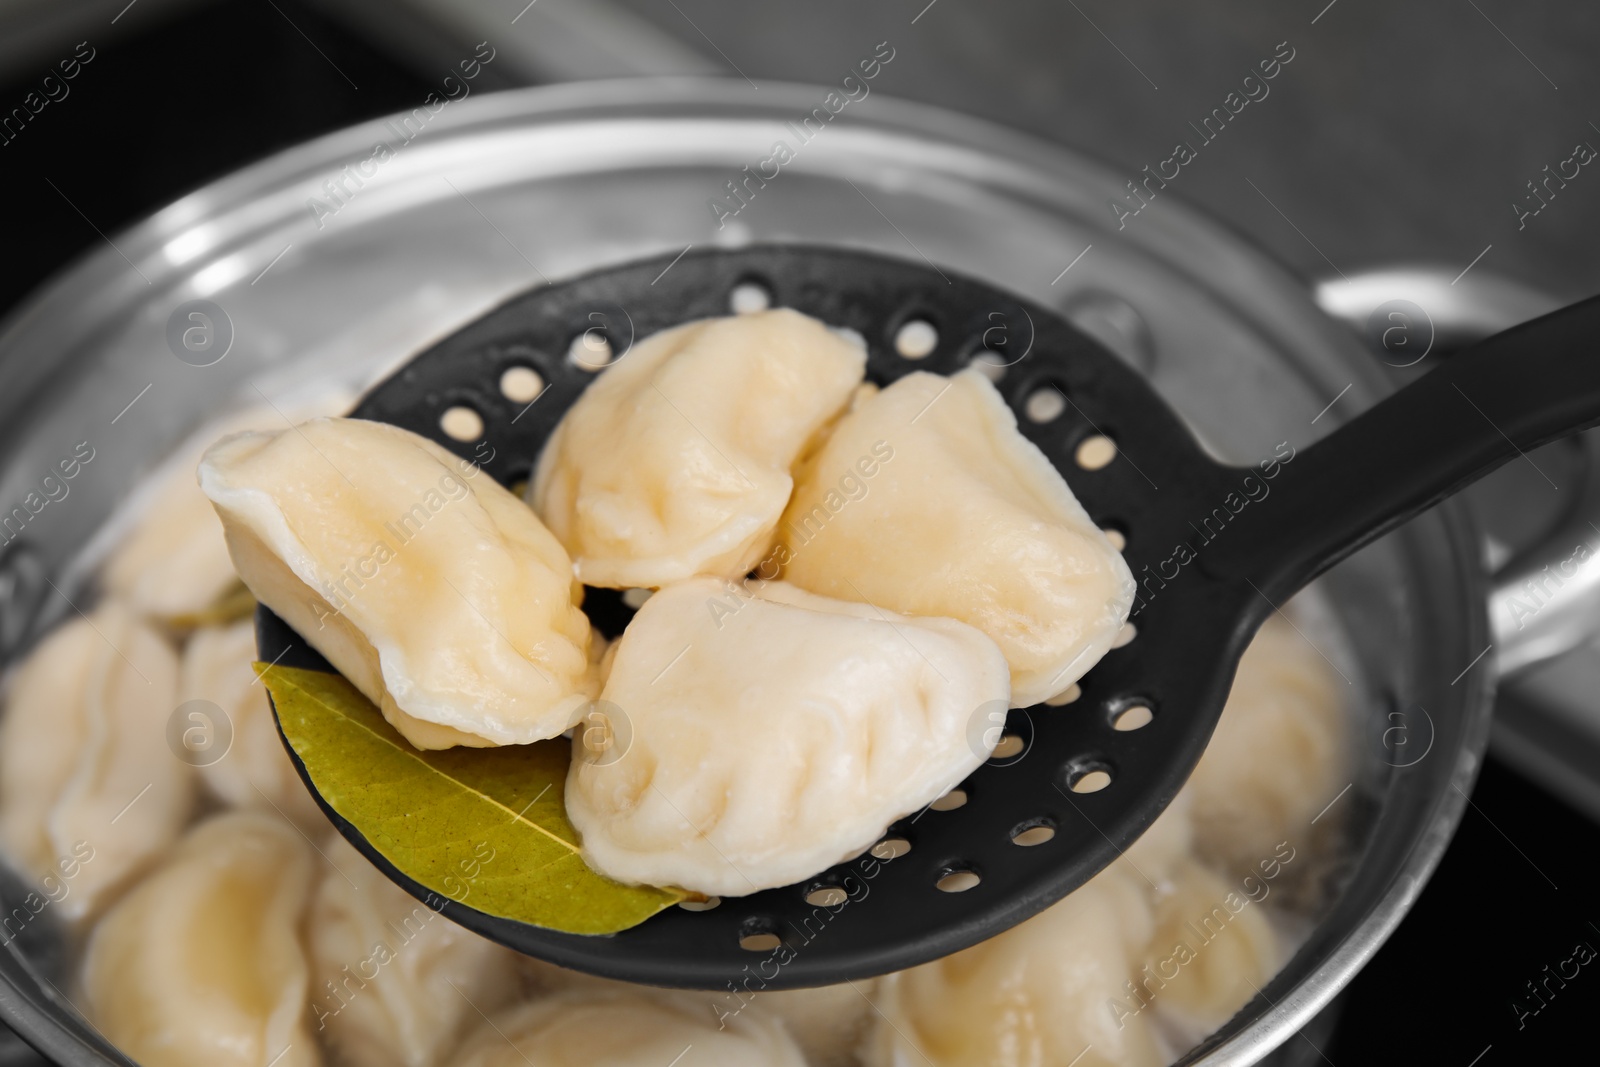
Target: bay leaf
{"type": "Point", "coordinates": [232, 606]}
{"type": "Point", "coordinates": [486, 827]}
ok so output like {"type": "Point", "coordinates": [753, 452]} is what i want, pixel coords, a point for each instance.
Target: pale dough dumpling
{"type": "Point", "coordinates": [393, 982]}
{"type": "Point", "coordinates": [201, 964]}
{"type": "Point", "coordinates": [255, 772]}
{"type": "Point", "coordinates": [87, 781]}
{"type": "Point", "coordinates": [624, 1028]}
{"type": "Point", "coordinates": [175, 562]}
{"type": "Point", "coordinates": [1042, 994]}
{"type": "Point", "coordinates": [827, 1022]}
{"type": "Point", "coordinates": [431, 588]}
{"type": "Point", "coordinates": [675, 461]}
{"type": "Point", "coordinates": [1277, 757]}
{"type": "Point", "coordinates": [1165, 845]}
{"type": "Point", "coordinates": [926, 500]}
{"type": "Point", "coordinates": [765, 733]}
{"type": "Point", "coordinates": [1213, 949]}
{"type": "Point", "coordinates": [171, 561]}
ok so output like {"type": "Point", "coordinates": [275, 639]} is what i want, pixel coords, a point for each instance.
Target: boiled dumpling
{"type": "Point", "coordinates": [626, 1028]}
{"type": "Point", "coordinates": [432, 589]}
{"type": "Point", "coordinates": [1042, 994]}
{"type": "Point", "coordinates": [1212, 951]}
{"type": "Point", "coordinates": [201, 964]}
{"type": "Point", "coordinates": [394, 983]}
{"type": "Point", "coordinates": [255, 771]}
{"type": "Point", "coordinates": [926, 500]}
{"type": "Point", "coordinates": [1277, 757]}
{"type": "Point", "coordinates": [764, 733]}
{"type": "Point", "coordinates": [171, 561]}
{"type": "Point", "coordinates": [174, 564]}
{"type": "Point", "coordinates": [1165, 845]}
{"type": "Point", "coordinates": [675, 462]}
{"type": "Point", "coordinates": [87, 781]}
{"type": "Point", "coordinates": [827, 1022]}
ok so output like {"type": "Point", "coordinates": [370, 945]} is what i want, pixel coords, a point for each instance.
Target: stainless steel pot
{"type": "Point", "coordinates": [335, 260]}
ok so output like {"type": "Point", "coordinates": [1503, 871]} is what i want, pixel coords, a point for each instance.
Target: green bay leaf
{"type": "Point", "coordinates": [236, 604]}
{"type": "Point", "coordinates": [436, 815]}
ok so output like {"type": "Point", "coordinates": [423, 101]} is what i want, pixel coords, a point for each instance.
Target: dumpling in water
{"type": "Point", "coordinates": [201, 965]}
{"type": "Point", "coordinates": [170, 560]}
{"type": "Point", "coordinates": [393, 982]}
{"type": "Point", "coordinates": [758, 739]}
{"type": "Point", "coordinates": [626, 1028]}
{"type": "Point", "coordinates": [1213, 949]}
{"type": "Point", "coordinates": [1165, 845]}
{"type": "Point", "coordinates": [1042, 994]}
{"type": "Point", "coordinates": [675, 462]}
{"type": "Point", "coordinates": [255, 771]}
{"type": "Point", "coordinates": [926, 500]}
{"type": "Point", "coordinates": [1278, 756]}
{"type": "Point", "coordinates": [89, 792]}
{"type": "Point", "coordinates": [827, 1022]}
{"type": "Point", "coordinates": [431, 588]}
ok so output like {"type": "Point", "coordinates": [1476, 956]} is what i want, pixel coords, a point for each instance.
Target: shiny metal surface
{"type": "Point", "coordinates": [505, 191]}
{"type": "Point", "coordinates": [1459, 308]}
{"type": "Point", "coordinates": [1546, 597]}
{"type": "Point", "coordinates": [1546, 613]}
{"type": "Point", "coordinates": [1546, 600]}
{"type": "Point", "coordinates": [1544, 547]}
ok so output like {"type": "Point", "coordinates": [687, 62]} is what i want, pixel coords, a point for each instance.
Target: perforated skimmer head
{"type": "Point", "coordinates": [1080, 781]}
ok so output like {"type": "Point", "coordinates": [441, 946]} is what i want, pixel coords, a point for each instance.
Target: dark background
{"type": "Point", "coordinates": [1399, 133]}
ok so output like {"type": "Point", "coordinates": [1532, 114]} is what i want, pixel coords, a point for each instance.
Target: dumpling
{"type": "Point", "coordinates": [432, 589]}
{"type": "Point", "coordinates": [201, 964]}
{"type": "Point", "coordinates": [675, 461]}
{"type": "Point", "coordinates": [827, 1022]}
{"type": "Point", "coordinates": [625, 1028]}
{"type": "Point", "coordinates": [255, 772]}
{"type": "Point", "coordinates": [1042, 994]}
{"type": "Point", "coordinates": [1277, 758]}
{"type": "Point", "coordinates": [1165, 845]}
{"type": "Point", "coordinates": [87, 782]}
{"type": "Point", "coordinates": [1213, 949]}
{"type": "Point", "coordinates": [926, 500]}
{"type": "Point", "coordinates": [394, 984]}
{"type": "Point", "coordinates": [764, 733]}
{"type": "Point", "coordinates": [171, 561]}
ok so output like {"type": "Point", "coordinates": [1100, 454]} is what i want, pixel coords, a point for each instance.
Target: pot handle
{"type": "Point", "coordinates": [1546, 599]}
